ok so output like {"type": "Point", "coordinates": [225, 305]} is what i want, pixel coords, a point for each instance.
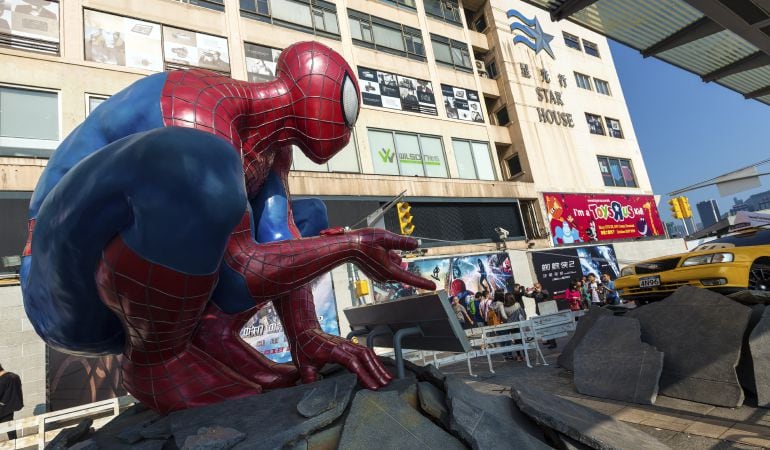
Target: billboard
{"type": "Point", "coordinates": [577, 218]}
{"type": "Point", "coordinates": [122, 41]}
{"type": "Point", "coordinates": [28, 22]}
{"type": "Point", "coordinates": [261, 62]}
{"type": "Point", "coordinates": [74, 380]}
{"type": "Point", "coordinates": [462, 104]}
{"type": "Point", "coordinates": [461, 276]}
{"type": "Point", "coordinates": [388, 90]}
{"type": "Point", "coordinates": [264, 331]}
{"type": "Point", "coordinates": [193, 49]}
{"type": "Point", "coordinates": [556, 268]}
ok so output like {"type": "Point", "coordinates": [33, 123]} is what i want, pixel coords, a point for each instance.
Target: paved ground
{"type": "Point", "coordinates": [680, 424]}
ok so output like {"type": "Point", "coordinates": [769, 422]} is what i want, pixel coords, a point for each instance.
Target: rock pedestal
{"type": "Point", "coordinates": [759, 344]}
{"type": "Point", "coordinates": [612, 362]}
{"type": "Point", "coordinates": [584, 324]}
{"type": "Point", "coordinates": [700, 333]}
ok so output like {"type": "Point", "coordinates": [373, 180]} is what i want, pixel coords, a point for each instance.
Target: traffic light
{"type": "Point", "coordinates": [684, 204]}
{"type": "Point", "coordinates": [405, 218]}
{"type": "Point", "coordinates": [676, 208]}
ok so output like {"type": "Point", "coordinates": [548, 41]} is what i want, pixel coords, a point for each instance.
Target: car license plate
{"type": "Point", "coordinates": [646, 282]}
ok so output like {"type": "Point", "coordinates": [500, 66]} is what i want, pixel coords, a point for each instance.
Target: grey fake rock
{"type": "Point", "coordinates": [583, 424]}
{"type": "Point", "coordinates": [88, 444]}
{"type": "Point", "coordinates": [383, 420]}
{"type": "Point", "coordinates": [433, 402]}
{"type": "Point", "coordinates": [71, 436]}
{"type": "Point", "coordinates": [759, 343]}
{"type": "Point", "coordinates": [213, 438]}
{"type": "Point", "coordinates": [700, 334]}
{"type": "Point", "coordinates": [745, 367]}
{"type": "Point", "coordinates": [486, 421]}
{"type": "Point", "coordinates": [269, 420]}
{"type": "Point", "coordinates": [583, 325]}
{"type": "Point", "coordinates": [612, 362]}
{"type": "Point", "coordinates": [406, 389]}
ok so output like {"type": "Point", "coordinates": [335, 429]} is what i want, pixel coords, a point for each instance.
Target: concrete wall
{"type": "Point", "coordinates": [22, 351]}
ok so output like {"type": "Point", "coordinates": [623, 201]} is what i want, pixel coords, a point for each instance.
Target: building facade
{"type": "Point", "coordinates": [708, 210]}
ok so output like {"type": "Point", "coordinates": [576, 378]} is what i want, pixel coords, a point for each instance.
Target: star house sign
{"type": "Point", "coordinates": [532, 34]}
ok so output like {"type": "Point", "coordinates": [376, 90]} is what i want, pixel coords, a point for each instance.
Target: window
{"type": "Point", "coordinates": [29, 122]}
{"type": "Point", "coordinates": [32, 25]}
{"type": "Point", "coordinates": [407, 154]}
{"type": "Point", "coordinates": [602, 86]}
{"type": "Point", "coordinates": [491, 66]}
{"type": "Point", "coordinates": [591, 48]}
{"type": "Point", "coordinates": [451, 52]}
{"type": "Point", "coordinates": [583, 81]}
{"type": "Point", "coordinates": [480, 24]}
{"type": "Point", "coordinates": [613, 128]}
{"type": "Point", "coordinates": [387, 36]}
{"type": "Point", "coordinates": [595, 124]}
{"type": "Point", "coordinates": [571, 41]}
{"type": "Point", "coordinates": [502, 116]}
{"type": "Point", "coordinates": [92, 101]}
{"type": "Point", "coordinates": [311, 16]}
{"type": "Point", "coordinates": [473, 160]}
{"type": "Point", "coordinates": [617, 172]}
{"type": "Point", "coordinates": [446, 10]}
{"type": "Point", "coordinates": [514, 165]}
{"type": "Point", "coordinates": [216, 5]}
{"type": "Point", "coordinates": [344, 161]}
{"type": "Point", "coordinates": [409, 4]}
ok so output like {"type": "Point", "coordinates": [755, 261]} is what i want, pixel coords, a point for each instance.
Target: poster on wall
{"type": "Point", "coordinates": [122, 41]}
{"type": "Point", "coordinates": [193, 49]}
{"type": "Point", "coordinates": [261, 62]}
{"type": "Point", "coordinates": [388, 90]}
{"type": "Point", "coordinates": [599, 217]}
{"type": "Point", "coordinates": [74, 380]}
{"type": "Point", "coordinates": [264, 331]}
{"type": "Point", "coordinates": [36, 20]}
{"type": "Point", "coordinates": [463, 104]}
{"type": "Point", "coordinates": [460, 276]}
{"type": "Point", "coordinates": [556, 268]}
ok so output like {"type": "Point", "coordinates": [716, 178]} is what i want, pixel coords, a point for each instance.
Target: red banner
{"type": "Point", "coordinates": [600, 217]}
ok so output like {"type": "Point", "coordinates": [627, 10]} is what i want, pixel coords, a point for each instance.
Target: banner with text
{"type": "Point", "coordinates": [600, 217]}
{"type": "Point", "coordinates": [264, 331]}
{"type": "Point", "coordinates": [556, 268]}
{"type": "Point", "coordinates": [387, 90]}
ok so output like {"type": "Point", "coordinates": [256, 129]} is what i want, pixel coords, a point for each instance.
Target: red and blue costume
{"type": "Point", "coordinates": [164, 221]}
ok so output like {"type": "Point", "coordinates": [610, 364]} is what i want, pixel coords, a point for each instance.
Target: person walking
{"type": "Point", "coordinates": [462, 315]}
{"type": "Point", "coordinates": [592, 289]}
{"type": "Point", "coordinates": [574, 296]}
{"type": "Point", "coordinates": [11, 399]}
{"type": "Point", "coordinates": [611, 296]}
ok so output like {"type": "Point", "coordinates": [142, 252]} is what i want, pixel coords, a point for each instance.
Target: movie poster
{"type": "Point", "coordinates": [122, 41]}
{"type": "Point", "coordinates": [264, 331]}
{"type": "Point", "coordinates": [189, 48]}
{"type": "Point", "coordinates": [459, 276]}
{"type": "Point", "coordinates": [578, 218]}
{"type": "Point", "coordinates": [28, 22]}
{"type": "Point", "coordinates": [556, 268]}
{"type": "Point", "coordinates": [261, 62]}
{"type": "Point", "coordinates": [462, 104]}
{"type": "Point", "coordinates": [388, 90]}
{"type": "Point", "coordinates": [74, 380]}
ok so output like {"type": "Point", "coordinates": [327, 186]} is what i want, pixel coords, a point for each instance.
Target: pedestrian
{"type": "Point", "coordinates": [514, 311]}
{"type": "Point", "coordinates": [11, 399]}
{"type": "Point", "coordinates": [611, 296]}
{"type": "Point", "coordinates": [574, 296]}
{"type": "Point", "coordinates": [541, 295]}
{"type": "Point", "coordinates": [484, 305]}
{"type": "Point", "coordinates": [474, 304]}
{"type": "Point", "coordinates": [592, 289]}
{"type": "Point", "coordinates": [496, 312]}
{"type": "Point", "coordinates": [462, 315]}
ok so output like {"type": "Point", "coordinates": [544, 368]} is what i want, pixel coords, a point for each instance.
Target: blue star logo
{"type": "Point", "coordinates": [533, 35]}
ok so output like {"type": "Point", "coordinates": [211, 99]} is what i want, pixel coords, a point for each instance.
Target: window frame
{"type": "Point", "coordinates": [314, 6]}
{"type": "Point", "coordinates": [612, 132]}
{"type": "Point", "coordinates": [605, 84]}
{"type": "Point", "coordinates": [35, 45]}
{"type": "Point", "coordinates": [508, 160]}
{"type": "Point", "coordinates": [401, 5]}
{"type": "Point", "coordinates": [368, 22]}
{"type": "Point", "coordinates": [328, 169]}
{"type": "Point", "coordinates": [453, 45]}
{"type": "Point", "coordinates": [619, 161]}
{"type": "Point", "coordinates": [599, 121]}
{"type": "Point", "coordinates": [90, 96]}
{"type": "Point", "coordinates": [588, 85]}
{"type": "Point", "coordinates": [213, 5]}
{"type": "Point", "coordinates": [470, 143]}
{"type": "Point", "coordinates": [490, 65]}
{"type": "Point", "coordinates": [446, 6]}
{"type": "Point", "coordinates": [570, 42]}
{"type": "Point", "coordinates": [26, 147]}
{"type": "Point", "coordinates": [507, 116]}
{"type": "Point", "coordinates": [594, 48]}
{"type": "Point", "coordinates": [393, 134]}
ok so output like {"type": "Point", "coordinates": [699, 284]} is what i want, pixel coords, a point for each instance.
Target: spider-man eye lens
{"type": "Point", "coordinates": [349, 101]}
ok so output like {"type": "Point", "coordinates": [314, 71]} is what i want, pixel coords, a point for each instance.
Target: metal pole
{"type": "Point", "coordinates": [397, 347]}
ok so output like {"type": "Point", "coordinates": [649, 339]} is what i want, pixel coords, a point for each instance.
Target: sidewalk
{"type": "Point", "coordinates": [681, 424]}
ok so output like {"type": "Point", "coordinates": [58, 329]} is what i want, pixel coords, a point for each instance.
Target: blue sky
{"type": "Point", "coordinates": [688, 130]}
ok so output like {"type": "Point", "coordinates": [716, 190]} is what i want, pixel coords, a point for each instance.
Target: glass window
{"type": "Point", "coordinates": [256, 6]}
{"type": "Point", "coordinates": [346, 160]}
{"type": "Point", "coordinates": [595, 124]}
{"type": "Point", "coordinates": [302, 162]}
{"type": "Point", "coordinates": [451, 52]}
{"type": "Point", "coordinates": [613, 128]}
{"type": "Point", "coordinates": [483, 161]}
{"type": "Point", "coordinates": [216, 5]}
{"type": "Point", "coordinates": [29, 114]}
{"type": "Point", "coordinates": [583, 81]}
{"type": "Point", "coordinates": [313, 16]}
{"type": "Point", "coordinates": [433, 156]}
{"type": "Point", "coordinates": [325, 20]}
{"type": "Point", "coordinates": [514, 165]}
{"type": "Point", "coordinates": [293, 12]}
{"type": "Point", "coordinates": [388, 37]}
{"type": "Point", "coordinates": [383, 152]}
{"type": "Point", "coordinates": [94, 101]}
{"type": "Point", "coordinates": [590, 48]}
{"type": "Point", "coordinates": [442, 51]}
{"type": "Point", "coordinates": [464, 159]}
{"type": "Point", "coordinates": [413, 39]}
{"type": "Point", "coordinates": [405, 3]}
{"type": "Point", "coordinates": [480, 24]}
{"type": "Point", "coordinates": [502, 117]}
{"type": "Point", "coordinates": [602, 86]}
{"type": "Point", "coordinates": [604, 168]}
{"type": "Point", "coordinates": [628, 173]}
{"type": "Point", "coordinates": [492, 68]}
{"type": "Point", "coordinates": [409, 156]}
{"type": "Point", "coordinates": [571, 41]}
{"type": "Point", "coordinates": [617, 172]}
{"type": "Point", "coordinates": [446, 10]}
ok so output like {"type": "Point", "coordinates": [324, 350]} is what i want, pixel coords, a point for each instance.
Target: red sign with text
{"type": "Point", "coordinates": [600, 217]}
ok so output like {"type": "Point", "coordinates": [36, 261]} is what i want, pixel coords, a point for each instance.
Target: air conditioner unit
{"type": "Point", "coordinates": [481, 68]}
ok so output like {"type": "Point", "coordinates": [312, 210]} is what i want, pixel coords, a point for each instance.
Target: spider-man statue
{"type": "Point", "coordinates": [145, 239]}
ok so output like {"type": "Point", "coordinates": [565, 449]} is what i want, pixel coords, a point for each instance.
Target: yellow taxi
{"type": "Point", "coordinates": [727, 265]}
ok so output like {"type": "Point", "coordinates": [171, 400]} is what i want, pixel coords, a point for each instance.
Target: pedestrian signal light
{"type": "Point", "coordinates": [405, 218]}
{"type": "Point", "coordinates": [684, 204]}
{"type": "Point", "coordinates": [676, 208]}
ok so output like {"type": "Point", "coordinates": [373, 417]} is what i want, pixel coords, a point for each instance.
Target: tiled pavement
{"type": "Point", "coordinates": [681, 424]}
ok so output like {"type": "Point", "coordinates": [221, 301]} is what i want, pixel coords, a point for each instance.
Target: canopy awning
{"type": "Point", "coordinates": [722, 41]}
